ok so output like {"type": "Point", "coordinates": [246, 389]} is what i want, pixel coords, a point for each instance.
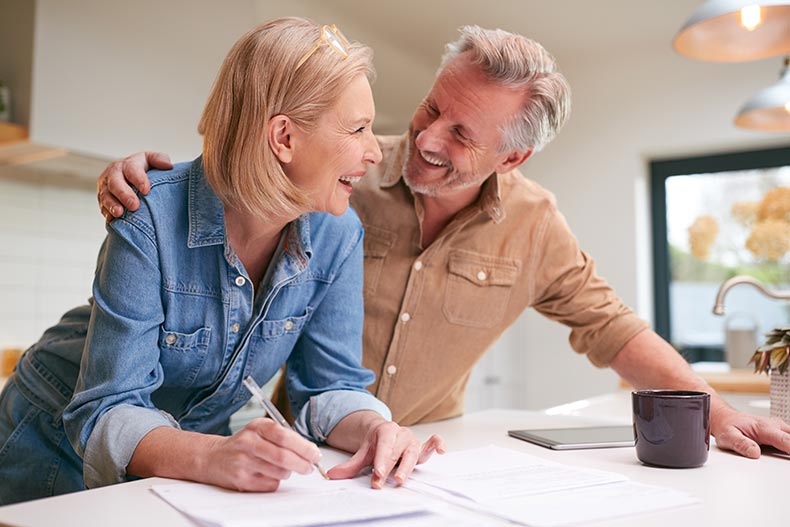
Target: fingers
{"type": "Point", "coordinates": [408, 460]}
{"type": "Point", "coordinates": [283, 447]}
{"type": "Point", "coordinates": [388, 447]}
{"type": "Point", "coordinates": [158, 160]}
{"type": "Point", "coordinates": [361, 459]}
{"type": "Point", "coordinates": [733, 439]}
{"type": "Point", "coordinates": [745, 435]}
{"type": "Point", "coordinates": [114, 188]}
{"type": "Point", "coordinates": [776, 433]}
{"type": "Point", "coordinates": [434, 444]}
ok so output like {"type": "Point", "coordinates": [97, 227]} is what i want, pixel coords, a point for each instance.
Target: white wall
{"type": "Point", "coordinates": [115, 77]}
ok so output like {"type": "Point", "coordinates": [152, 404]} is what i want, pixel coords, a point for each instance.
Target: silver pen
{"type": "Point", "coordinates": [272, 411]}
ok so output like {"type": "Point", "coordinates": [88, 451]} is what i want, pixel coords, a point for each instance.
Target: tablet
{"type": "Point", "coordinates": [576, 438]}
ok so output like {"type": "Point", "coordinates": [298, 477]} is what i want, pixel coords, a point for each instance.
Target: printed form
{"type": "Point", "coordinates": [494, 483]}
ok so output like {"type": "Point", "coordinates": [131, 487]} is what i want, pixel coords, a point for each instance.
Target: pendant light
{"type": "Point", "coordinates": [769, 109]}
{"type": "Point", "coordinates": [736, 30]}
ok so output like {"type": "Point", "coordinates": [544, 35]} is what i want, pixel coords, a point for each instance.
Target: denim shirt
{"type": "Point", "coordinates": [175, 326]}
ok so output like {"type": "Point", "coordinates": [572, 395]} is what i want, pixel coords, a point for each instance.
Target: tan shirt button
{"type": "Point", "coordinates": [170, 339]}
{"type": "Point", "coordinates": [417, 265]}
{"type": "Point", "coordinates": [405, 317]}
{"type": "Point", "coordinates": [240, 281]}
{"type": "Point", "coordinates": [288, 325]}
{"type": "Point", "coordinates": [481, 275]}
{"type": "Point", "coordinates": [235, 327]}
{"type": "Point", "coordinates": [391, 369]}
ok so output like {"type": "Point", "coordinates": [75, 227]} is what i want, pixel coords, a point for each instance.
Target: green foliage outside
{"type": "Point", "coordinates": [686, 268]}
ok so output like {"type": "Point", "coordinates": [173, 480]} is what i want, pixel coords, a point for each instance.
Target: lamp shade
{"type": "Point", "coordinates": [736, 30]}
{"type": "Point", "coordinates": [770, 109]}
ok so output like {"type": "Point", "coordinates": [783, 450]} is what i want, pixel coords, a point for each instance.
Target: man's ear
{"type": "Point", "coordinates": [513, 160]}
{"type": "Point", "coordinates": [280, 137]}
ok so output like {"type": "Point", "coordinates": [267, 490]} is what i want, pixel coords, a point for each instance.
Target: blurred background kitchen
{"type": "Point", "coordinates": [92, 80]}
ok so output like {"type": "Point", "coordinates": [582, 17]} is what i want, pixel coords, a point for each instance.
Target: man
{"type": "Point", "coordinates": [458, 243]}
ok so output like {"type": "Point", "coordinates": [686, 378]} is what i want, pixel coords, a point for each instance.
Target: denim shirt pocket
{"type": "Point", "coordinates": [478, 288]}
{"type": "Point", "coordinates": [182, 355]}
{"type": "Point", "coordinates": [275, 329]}
{"type": "Point", "coordinates": [377, 243]}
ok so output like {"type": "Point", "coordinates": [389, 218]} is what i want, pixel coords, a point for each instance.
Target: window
{"type": "Point", "coordinates": [715, 217]}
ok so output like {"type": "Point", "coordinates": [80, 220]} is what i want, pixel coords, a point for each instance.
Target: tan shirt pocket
{"type": "Point", "coordinates": [478, 288]}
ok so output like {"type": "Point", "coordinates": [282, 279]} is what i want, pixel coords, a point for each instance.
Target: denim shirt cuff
{"type": "Point", "coordinates": [322, 412]}
{"type": "Point", "coordinates": [114, 440]}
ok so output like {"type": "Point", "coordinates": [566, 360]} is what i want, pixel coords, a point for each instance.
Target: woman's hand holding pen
{"type": "Point", "coordinates": [259, 456]}
{"type": "Point", "coordinates": [386, 446]}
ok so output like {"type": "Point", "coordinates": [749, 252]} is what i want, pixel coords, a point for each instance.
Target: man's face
{"type": "Point", "coordinates": [454, 136]}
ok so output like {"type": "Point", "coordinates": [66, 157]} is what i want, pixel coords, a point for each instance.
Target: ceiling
{"type": "Point", "coordinates": [408, 36]}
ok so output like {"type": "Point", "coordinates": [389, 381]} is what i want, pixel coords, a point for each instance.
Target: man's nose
{"type": "Point", "coordinates": [430, 138]}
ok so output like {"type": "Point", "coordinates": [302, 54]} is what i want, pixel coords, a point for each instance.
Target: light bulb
{"type": "Point", "coordinates": [787, 107]}
{"type": "Point", "coordinates": [751, 16]}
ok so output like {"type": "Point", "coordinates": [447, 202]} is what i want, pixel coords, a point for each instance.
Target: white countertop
{"type": "Point", "coordinates": [733, 490]}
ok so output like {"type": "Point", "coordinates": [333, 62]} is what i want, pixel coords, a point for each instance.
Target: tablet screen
{"type": "Point", "coordinates": [574, 438]}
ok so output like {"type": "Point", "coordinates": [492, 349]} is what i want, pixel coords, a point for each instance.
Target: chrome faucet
{"type": "Point", "coordinates": [718, 306]}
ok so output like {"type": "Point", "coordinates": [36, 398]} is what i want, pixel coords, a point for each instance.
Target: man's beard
{"type": "Point", "coordinates": [453, 181]}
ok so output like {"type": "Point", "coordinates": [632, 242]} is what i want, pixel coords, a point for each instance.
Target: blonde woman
{"type": "Point", "coordinates": [228, 269]}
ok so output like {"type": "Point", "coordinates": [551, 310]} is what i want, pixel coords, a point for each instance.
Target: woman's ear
{"type": "Point", "coordinates": [279, 136]}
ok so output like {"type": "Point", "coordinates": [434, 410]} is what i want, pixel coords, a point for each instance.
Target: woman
{"type": "Point", "coordinates": [225, 271]}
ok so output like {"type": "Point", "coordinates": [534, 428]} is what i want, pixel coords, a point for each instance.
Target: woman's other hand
{"type": "Point", "coordinates": [386, 447]}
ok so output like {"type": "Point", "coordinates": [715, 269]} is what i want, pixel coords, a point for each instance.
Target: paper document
{"type": "Point", "coordinates": [532, 491]}
{"type": "Point", "coordinates": [473, 488]}
{"type": "Point", "coordinates": [493, 472]}
{"type": "Point", "coordinates": [312, 501]}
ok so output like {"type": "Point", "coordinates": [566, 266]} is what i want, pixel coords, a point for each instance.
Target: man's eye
{"type": "Point", "coordinates": [459, 133]}
{"type": "Point", "coordinates": [360, 130]}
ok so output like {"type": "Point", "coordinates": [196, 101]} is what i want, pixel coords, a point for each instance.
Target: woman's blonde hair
{"type": "Point", "coordinates": [258, 80]}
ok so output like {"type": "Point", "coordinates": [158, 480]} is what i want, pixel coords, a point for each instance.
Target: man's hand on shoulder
{"type": "Point", "coordinates": [114, 187]}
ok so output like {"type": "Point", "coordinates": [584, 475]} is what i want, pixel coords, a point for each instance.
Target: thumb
{"type": "Point", "coordinates": [361, 459]}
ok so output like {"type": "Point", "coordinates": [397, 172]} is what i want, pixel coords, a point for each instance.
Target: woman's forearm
{"type": "Point", "coordinates": [172, 453]}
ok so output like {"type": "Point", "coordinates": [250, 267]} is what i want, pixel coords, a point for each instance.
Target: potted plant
{"type": "Point", "coordinates": [773, 358]}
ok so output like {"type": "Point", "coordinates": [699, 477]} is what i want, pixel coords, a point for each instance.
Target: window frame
{"type": "Point", "coordinates": [660, 171]}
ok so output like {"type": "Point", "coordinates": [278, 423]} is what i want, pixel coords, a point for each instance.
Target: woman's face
{"type": "Point", "coordinates": [328, 160]}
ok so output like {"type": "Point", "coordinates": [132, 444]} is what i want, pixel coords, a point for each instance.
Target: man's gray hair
{"type": "Point", "coordinates": [518, 62]}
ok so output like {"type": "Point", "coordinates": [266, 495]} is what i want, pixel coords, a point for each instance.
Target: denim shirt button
{"type": "Point", "coordinates": [170, 339]}
{"type": "Point", "coordinates": [288, 325]}
{"type": "Point", "coordinates": [240, 281]}
{"type": "Point", "coordinates": [235, 327]}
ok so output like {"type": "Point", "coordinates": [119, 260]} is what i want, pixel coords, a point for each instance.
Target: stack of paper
{"type": "Point", "coordinates": [532, 491]}
{"type": "Point", "coordinates": [494, 483]}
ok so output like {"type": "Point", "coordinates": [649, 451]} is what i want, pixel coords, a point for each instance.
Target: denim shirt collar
{"type": "Point", "coordinates": [207, 220]}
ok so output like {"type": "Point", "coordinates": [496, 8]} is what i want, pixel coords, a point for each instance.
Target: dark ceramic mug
{"type": "Point", "coordinates": [671, 427]}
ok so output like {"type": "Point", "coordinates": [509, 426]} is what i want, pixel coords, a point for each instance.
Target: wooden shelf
{"type": "Point", "coordinates": [11, 133]}
{"type": "Point", "coordinates": [733, 381]}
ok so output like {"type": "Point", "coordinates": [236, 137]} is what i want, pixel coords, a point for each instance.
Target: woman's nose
{"type": "Point", "coordinates": [372, 152]}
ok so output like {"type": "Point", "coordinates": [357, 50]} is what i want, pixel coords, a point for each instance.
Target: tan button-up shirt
{"type": "Point", "coordinates": [431, 313]}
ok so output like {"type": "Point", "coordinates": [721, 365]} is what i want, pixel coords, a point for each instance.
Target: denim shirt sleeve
{"type": "Point", "coordinates": [111, 410]}
{"type": "Point", "coordinates": [325, 378]}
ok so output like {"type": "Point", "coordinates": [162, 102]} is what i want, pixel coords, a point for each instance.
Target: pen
{"type": "Point", "coordinates": [272, 411]}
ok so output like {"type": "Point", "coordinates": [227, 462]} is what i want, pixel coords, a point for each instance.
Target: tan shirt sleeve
{"type": "Point", "coordinates": [569, 291]}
